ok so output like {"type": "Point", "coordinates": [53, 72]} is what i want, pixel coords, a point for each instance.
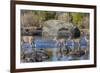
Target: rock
{"type": "Point", "coordinates": [63, 16]}
{"type": "Point", "coordinates": [75, 32]}
{"type": "Point", "coordinates": [51, 27]}
{"type": "Point", "coordinates": [41, 56]}
{"type": "Point", "coordinates": [78, 53]}
{"type": "Point", "coordinates": [30, 19]}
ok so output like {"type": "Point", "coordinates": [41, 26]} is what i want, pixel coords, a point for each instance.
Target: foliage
{"type": "Point", "coordinates": [77, 18]}
{"type": "Point", "coordinates": [40, 16]}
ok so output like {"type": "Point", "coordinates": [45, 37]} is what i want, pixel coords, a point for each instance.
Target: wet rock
{"type": "Point", "coordinates": [41, 56]}
{"type": "Point", "coordinates": [38, 56]}
{"type": "Point", "coordinates": [78, 53]}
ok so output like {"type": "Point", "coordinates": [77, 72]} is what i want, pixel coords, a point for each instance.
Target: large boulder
{"type": "Point", "coordinates": [52, 27]}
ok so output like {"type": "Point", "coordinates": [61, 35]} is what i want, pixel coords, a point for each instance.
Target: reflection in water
{"type": "Point", "coordinates": [58, 51]}
{"type": "Point", "coordinates": [54, 55]}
